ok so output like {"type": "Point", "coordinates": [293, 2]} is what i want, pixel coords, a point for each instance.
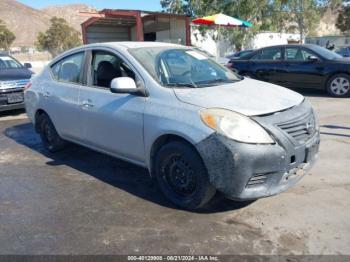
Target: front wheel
{"type": "Point", "coordinates": [182, 176]}
{"type": "Point", "coordinates": [339, 85]}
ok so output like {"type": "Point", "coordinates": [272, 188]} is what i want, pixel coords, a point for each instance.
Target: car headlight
{"type": "Point", "coordinates": [235, 126]}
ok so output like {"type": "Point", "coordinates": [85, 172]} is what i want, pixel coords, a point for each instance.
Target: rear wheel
{"type": "Point", "coordinates": [182, 176]}
{"type": "Point", "coordinates": [49, 136]}
{"type": "Point", "coordinates": [339, 85]}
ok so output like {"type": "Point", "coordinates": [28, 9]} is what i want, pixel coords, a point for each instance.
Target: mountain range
{"type": "Point", "coordinates": [26, 22]}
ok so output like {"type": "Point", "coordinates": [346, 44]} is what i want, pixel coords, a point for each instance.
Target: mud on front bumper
{"type": "Point", "coordinates": [250, 171]}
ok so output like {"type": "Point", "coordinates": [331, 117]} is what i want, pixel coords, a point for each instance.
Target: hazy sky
{"type": "Point", "coordinates": [149, 5]}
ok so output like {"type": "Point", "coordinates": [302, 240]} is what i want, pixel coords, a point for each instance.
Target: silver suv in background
{"type": "Point", "coordinates": [196, 126]}
{"type": "Point", "coordinates": [13, 78]}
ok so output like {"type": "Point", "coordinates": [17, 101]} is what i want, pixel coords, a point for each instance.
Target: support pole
{"type": "Point", "coordinates": [139, 27]}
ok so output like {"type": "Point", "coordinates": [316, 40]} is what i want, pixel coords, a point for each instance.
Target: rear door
{"type": "Point", "coordinates": [60, 95]}
{"type": "Point", "coordinates": [300, 70]}
{"type": "Point", "coordinates": [266, 64]}
{"type": "Point", "coordinates": [112, 123]}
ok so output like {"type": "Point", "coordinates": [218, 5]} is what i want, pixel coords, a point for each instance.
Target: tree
{"type": "Point", "coordinates": [303, 15]}
{"type": "Point", "coordinates": [253, 11]}
{"type": "Point", "coordinates": [6, 36]}
{"type": "Point", "coordinates": [265, 15]}
{"type": "Point", "coordinates": [175, 6]}
{"type": "Point", "coordinates": [58, 38]}
{"type": "Point", "coordinates": [343, 20]}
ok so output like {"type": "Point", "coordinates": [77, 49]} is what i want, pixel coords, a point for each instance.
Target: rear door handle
{"type": "Point", "coordinates": [87, 103]}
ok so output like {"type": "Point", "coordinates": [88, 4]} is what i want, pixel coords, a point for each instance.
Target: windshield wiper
{"type": "Point", "coordinates": [218, 80]}
{"type": "Point", "coordinates": [192, 85]}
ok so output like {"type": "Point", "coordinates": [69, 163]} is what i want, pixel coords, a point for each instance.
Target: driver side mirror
{"type": "Point", "coordinates": [125, 85]}
{"type": "Point", "coordinates": [313, 58]}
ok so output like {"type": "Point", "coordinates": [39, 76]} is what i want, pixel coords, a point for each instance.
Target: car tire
{"type": "Point", "coordinates": [339, 85]}
{"type": "Point", "coordinates": [182, 176]}
{"type": "Point", "coordinates": [49, 136]}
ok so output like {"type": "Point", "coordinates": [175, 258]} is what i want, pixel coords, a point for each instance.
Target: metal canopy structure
{"type": "Point", "coordinates": [134, 25]}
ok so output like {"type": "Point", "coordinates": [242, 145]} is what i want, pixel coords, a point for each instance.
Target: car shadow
{"type": "Point", "coordinates": [334, 127]}
{"type": "Point", "coordinates": [123, 175]}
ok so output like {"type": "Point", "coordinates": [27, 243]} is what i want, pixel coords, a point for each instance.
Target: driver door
{"type": "Point", "coordinates": [300, 71]}
{"type": "Point", "coordinates": [112, 123]}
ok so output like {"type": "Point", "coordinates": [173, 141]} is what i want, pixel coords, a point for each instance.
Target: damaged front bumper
{"type": "Point", "coordinates": [250, 171]}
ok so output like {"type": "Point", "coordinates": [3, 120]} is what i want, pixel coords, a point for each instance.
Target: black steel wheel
{"type": "Point", "coordinates": [182, 176]}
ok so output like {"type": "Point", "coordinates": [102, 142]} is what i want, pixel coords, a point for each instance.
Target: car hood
{"type": "Point", "coordinates": [15, 74]}
{"type": "Point", "coordinates": [249, 97]}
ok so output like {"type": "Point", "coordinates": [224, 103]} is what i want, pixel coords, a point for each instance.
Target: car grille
{"type": "Point", "coordinates": [13, 84]}
{"type": "Point", "coordinates": [301, 128]}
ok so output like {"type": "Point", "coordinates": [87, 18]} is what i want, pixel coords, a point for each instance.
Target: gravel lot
{"type": "Point", "coordinates": [82, 202]}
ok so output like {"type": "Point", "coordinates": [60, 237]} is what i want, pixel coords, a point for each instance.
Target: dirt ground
{"type": "Point", "coordinates": [82, 202]}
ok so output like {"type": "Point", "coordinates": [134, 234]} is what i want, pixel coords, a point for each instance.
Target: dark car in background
{"type": "Point", "coordinates": [345, 52]}
{"type": "Point", "coordinates": [13, 78]}
{"type": "Point", "coordinates": [297, 66]}
{"type": "Point", "coordinates": [240, 54]}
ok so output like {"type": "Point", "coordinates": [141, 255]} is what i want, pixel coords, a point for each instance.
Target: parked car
{"type": "Point", "coordinates": [298, 66]}
{"type": "Point", "coordinates": [344, 52]}
{"type": "Point", "coordinates": [13, 78]}
{"type": "Point", "coordinates": [194, 124]}
{"type": "Point", "coordinates": [240, 54]}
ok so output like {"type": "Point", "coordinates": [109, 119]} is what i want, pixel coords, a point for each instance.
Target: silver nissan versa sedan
{"type": "Point", "coordinates": [196, 126]}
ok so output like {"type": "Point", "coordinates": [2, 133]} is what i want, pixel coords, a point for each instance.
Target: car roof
{"type": "Point", "coordinates": [290, 45]}
{"type": "Point", "coordinates": [127, 44]}
{"type": "Point", "coordinates": [116, 45]}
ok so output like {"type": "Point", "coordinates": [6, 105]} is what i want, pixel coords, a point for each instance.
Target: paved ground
{"type": "Point", "coordinates": [81, 202]}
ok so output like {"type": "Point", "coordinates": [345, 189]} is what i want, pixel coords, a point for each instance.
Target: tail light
{"type": "Point", "coordinates": [27, 86]}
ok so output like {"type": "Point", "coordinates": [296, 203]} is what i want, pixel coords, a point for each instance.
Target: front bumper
{"type": "Point", "coordinates": [250, 171]}
{"type": "Point", "coordinates": [11, 107]}
{"type": "Point", "coordinates": [11, 94]}
{"type": "Point", "coordinates": [11, 99]}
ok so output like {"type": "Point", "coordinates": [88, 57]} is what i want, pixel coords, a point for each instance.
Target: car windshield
{"type": "Point", "coordinates": [180, 67]}
{"type": "Point", "coordinates": [330, 55]}
{"type": "Point", "coordinates": [7, 62]}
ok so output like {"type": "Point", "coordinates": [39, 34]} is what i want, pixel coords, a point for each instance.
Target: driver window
{"type": "Point", "coordinates": [306, 54]}
{"type": "Point", "coordinates": [297, 54]}
{"type": "Point", "coordinates": [107, 66]}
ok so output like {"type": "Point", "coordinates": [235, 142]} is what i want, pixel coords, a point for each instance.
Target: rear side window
{"type": "Point", "coordinates": [69, 68]}
{"type": "Point", "coordinates": [268, 54]}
